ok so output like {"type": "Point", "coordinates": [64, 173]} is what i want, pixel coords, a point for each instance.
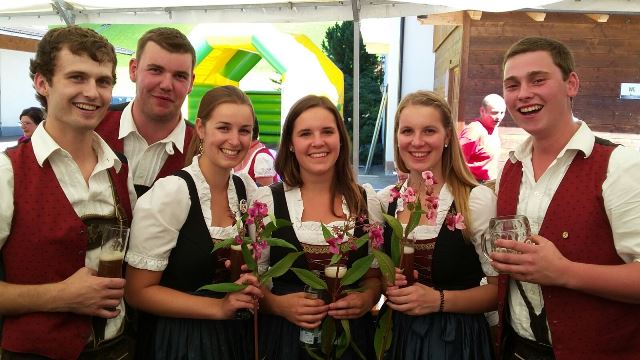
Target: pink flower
{"type": "Point", "coordinates": [249, 221]}
{"type": "Point", "coordinates": [376, 236]}
{"type": "Point", "coordinates": [394, 193]}
{"type": "Point", "coordinates": [333, 245]}
{"type": "Point", "coordinates": [258, 246]}
{"type": "Point", "coordinates": [258, 209]}
{"type": "Point", "coordinates": [432, 201]}
{"type": "Point", "coordinates": [238, 240]}
{"type": "Point", "coordinates": [428, 177]}
{"type": "Point", "coordinates": [455, 221]}
{"type": "Point", "coordinates": [431, 214]}
{"type": "Point", "coordinates": [409, 195]}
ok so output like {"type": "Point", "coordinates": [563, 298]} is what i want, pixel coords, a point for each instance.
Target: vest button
{"type": "Point", "coordinates": [565, 234]}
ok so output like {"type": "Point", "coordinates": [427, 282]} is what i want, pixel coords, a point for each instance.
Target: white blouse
{"type": "Point", "coordinates": [310, 232]}
{"type": "Point", "coordinates": [482, 207]}
{"type": "Point", "coordinates": [162, 211]}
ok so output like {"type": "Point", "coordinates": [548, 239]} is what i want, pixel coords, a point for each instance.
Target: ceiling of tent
{"type": "Point", "coordinates": [52, 12]}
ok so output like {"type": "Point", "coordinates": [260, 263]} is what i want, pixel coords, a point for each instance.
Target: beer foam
{"type": "Point", "coordinates": [111, 255]}
{"type": "Point", "coordinates": [330, 271]}
{"type": "Point", "coordinates": [408, 249]}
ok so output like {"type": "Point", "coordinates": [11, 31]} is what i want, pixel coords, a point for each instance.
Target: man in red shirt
{"type": "Point", "coordinates": [480, 141]}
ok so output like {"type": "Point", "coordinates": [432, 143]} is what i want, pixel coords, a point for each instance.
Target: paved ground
{"type": "Point", "coordinates": [376, 177]}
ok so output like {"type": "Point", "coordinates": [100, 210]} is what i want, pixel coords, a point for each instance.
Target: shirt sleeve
{"type": "Point", "coordinates": [6, 200]}
{"type": "Point", "coordinates": [263, 166]}
{"type": "Point", "coordinates": [621, 193]}
{"type": "Point", "coordinates": [157, 219]}
{"type": "Point", "coordinates": [373, 205]}
{"type": "Point", "coordinates": [482, 207]}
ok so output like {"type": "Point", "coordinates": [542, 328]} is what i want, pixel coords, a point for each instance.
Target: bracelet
{"type": "Point", "coordinates": [441, 309]}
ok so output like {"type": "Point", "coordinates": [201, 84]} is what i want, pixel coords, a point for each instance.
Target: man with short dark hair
{"type": "Point", "coordinates": [58, 192]}
{"type": "Point", "coordinates": [572, 290]}
{"type": "Point", "coordinates": [150, 130]}
{"type": "Point", "coordinates": [480, 141]}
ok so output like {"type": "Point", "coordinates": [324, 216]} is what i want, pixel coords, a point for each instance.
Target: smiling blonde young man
{"type": "Point", "coordinates": [56, 191]}
{"type": "Point", "coordinates": [573, 292]}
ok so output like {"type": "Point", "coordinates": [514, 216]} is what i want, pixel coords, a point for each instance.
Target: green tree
{"type": "Point", "coordinates": [338, 45]}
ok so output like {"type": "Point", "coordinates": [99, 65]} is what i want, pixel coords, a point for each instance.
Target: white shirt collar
{"type": "Point", "coordinates": [45, 146]}
{"type": "Point", "coordinates": [127, 126]}
{"type": "Point", "coordinates": [582, 140]}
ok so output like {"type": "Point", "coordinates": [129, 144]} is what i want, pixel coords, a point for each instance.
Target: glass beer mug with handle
{"type": "Point", "coordinates": [510, 227]}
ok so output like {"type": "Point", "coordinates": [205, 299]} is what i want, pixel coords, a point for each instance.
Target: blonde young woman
{"type": "Point", "coordinates": [441, 315]}
{"type": "Point", "coordinates": [318, 186]}
{"type": "Point", "coordinates": [176, 224]}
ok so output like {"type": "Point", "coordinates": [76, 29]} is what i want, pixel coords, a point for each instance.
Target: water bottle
{"type": "Point", "coordinates": [310, 338]}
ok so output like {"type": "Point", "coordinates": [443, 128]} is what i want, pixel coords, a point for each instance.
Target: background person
{"type": "Point", "coordinates": [70, 182]}
{"type": "Point", "coordinates": [441, 316]}
{"type": "Point", "coordinates": [150, 130]}
{"type": "Point", "coordinates": [30, 118]}
{"type": "Point", "coordinates": [480, 141]}
{"type": "Point", "coordinates": [572, 293]}
{"type": "Point", "coordinates": [259, 163]}
{"type": "Point", "coordinates": [170, 254]}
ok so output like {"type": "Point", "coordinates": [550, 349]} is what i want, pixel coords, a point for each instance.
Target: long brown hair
{"type": "Point", "coordinates": [210, 101]}
{"type": "Point", "coordinates": [343, 182]}
{"type": "Point", "coordinates": [455, 171]}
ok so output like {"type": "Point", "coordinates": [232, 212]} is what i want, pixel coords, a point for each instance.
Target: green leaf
{"type": "Point", "coordinates": [335, 258]}
{"type": "Point", "coordinates": [357, 270]}
{"type": "Point", "coordinates": [362, 240]}
{"type": "Point", "coordinates": [386, 266]}
{"type": "Point", "coordinates": [382, 337]}
{"type": "Point", "coordinates": [396, 250]}
{"type": "Point", "coordinates": [311, 353]}
{"type": "Point", "coordinates": [222, 244]}
{"type": "Point", "coordinates": [395, 225]}
{"type": "Point", "coordinates": [273, 225]}
{"type": "Point", "coordinates": [281, 266]}
{"type": "Point", "coordinates": [310, 278]}
{"type": "Point", "coordinates": [326, 232]}
{"type": "Point", "coordinates": [281, 243]}
{"type": "Point", "coordinates": [224, 287]}
{"type": "Point", "coordinates": [344, 340]}
{"type": "Point", "coordinates": [414, 220]}
{"type": "Point", "coordinates": [328, 334]}
{"type": "Point", "coordinates": [248, 258]}
{"type": "Point", "coordinates": [349, 291]}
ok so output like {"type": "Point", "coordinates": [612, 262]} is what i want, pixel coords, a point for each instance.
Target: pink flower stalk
{"type": "Point", "coordinates": [258, 246]}
{"type": "Point", "coordinates": [428, 177]}
{"type": "Point", "coordinates": [376, 235]}
{"type": "Point", "coordinates": [394, 193]}
{"type": "Point", "coordinates": [334, 243]}
{"type": "Point", "coordinates": [258, 209]}
{"type": "Point", "coordinates": [432, 201]}
{"type": "Point", "coordinates": [409, 195]}
{"type": "Point", "coordinates": [455, 221]}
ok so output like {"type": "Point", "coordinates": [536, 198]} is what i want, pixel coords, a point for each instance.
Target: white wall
{"type": "Point", "coordinates": [16, 90]}
{"type": "Point", "coordinates": [417, 72]}
{"type": "Point", "coordinates": [419, 61]}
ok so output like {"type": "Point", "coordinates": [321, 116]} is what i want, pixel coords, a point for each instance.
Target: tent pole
{"type": "Point", "coordinates": [355, 6]}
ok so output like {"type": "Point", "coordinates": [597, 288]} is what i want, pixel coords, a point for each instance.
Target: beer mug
{"type": "Point", "coordinates": [510, 227]}
{"type": "Point", "coordinates": [114, 245]}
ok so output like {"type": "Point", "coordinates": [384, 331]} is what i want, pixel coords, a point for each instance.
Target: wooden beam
{"type": "Point", "coordinates": [474, 14]}
{"type": "Point", "coordinates": [18, 43]}
{"type": "Point", "coordinates": [451, 18]}
{"type": "Point", "coordinates": [601, 18]}
{"type": "Point", "coordinates": [537, 16]}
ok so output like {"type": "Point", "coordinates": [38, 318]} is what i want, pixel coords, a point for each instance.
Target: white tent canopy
{"type": "Point", "coordinates": [55, 12]}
